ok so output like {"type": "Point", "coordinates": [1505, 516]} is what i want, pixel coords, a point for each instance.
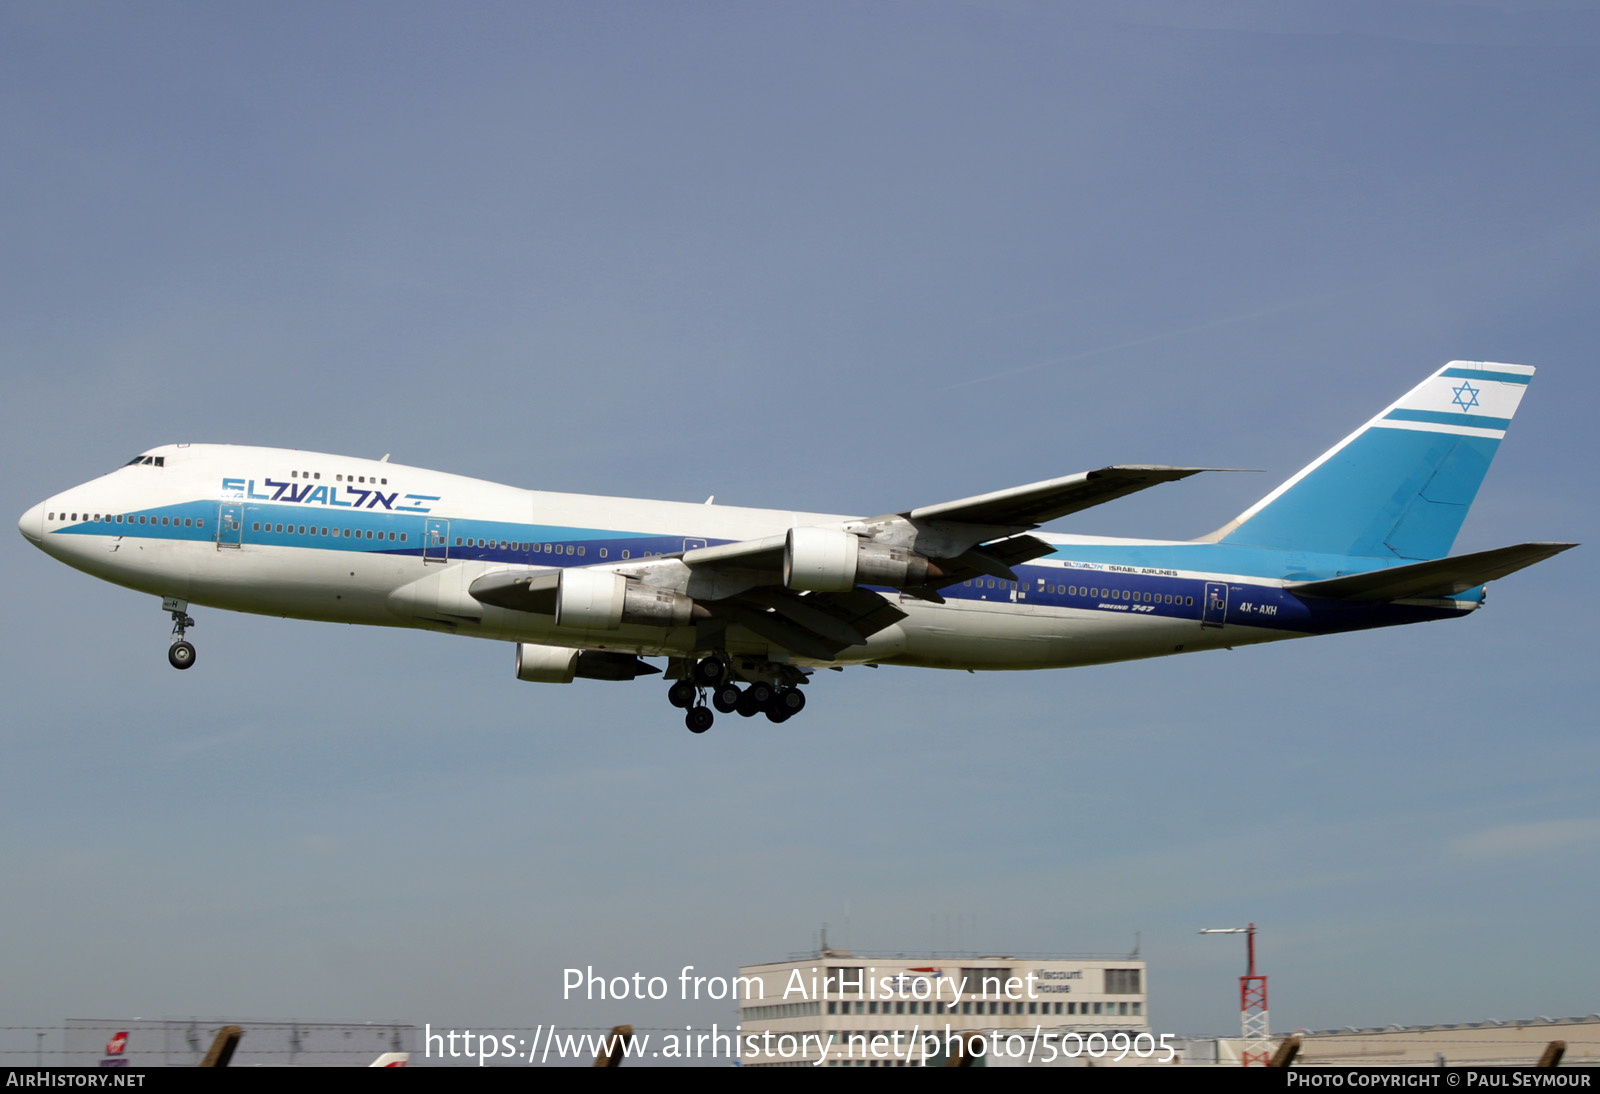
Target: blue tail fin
{"type": "Point", "coordinates": [1399, 486]}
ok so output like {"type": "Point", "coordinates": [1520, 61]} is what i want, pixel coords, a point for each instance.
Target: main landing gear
{"type": "Point", "coordinates": [180, 655]}
{"type": "Point", "coordinates": [779, 702]}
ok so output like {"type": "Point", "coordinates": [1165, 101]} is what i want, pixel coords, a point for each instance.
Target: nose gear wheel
{"type": "Point", "coordinates": [180, 655]}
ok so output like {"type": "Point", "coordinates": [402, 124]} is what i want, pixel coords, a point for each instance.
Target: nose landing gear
{"type": "Point", "coordinates": [180, 655]}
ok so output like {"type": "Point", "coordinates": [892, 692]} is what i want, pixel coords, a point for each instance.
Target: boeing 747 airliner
{"type": "Point", "coordinates": [746, 603]}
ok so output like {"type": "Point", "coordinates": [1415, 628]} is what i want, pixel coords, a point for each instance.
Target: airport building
{"type": "Point", "coordinates": [842, 1009]}
{"type": "Point", "coordinates": [1515, 1043]}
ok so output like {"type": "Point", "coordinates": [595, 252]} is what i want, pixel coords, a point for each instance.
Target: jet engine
{"type": "Point", "coordinates": [826, 560]}
{"type": "Point", "coordinates": [558, 665]}
{"type": "Point", "coordinates": [598, 600]}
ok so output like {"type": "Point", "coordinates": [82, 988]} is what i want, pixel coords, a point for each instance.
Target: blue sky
{"type": "Point", "coordinates": [835, 257]}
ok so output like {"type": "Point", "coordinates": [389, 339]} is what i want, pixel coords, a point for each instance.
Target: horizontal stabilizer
{"type": "Point", "coordinates": [1441, 577]}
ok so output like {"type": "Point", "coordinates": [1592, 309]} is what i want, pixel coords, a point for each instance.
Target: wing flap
{"type": "Point", "coordinates": [780, 631]}
{"type": "Point", "coordinates": [812, 624]}
{"type": "Point", "coordinates": [996, 559]}
{"type": "Point", "coordinates": [864, 610]}
{"type": "Point", "coordinates": [990, 560]}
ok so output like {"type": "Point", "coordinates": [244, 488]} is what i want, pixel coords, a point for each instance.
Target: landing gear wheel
{"type": "Point", "coordinates": [726, 698]}
{"type": "Point", "coordinates": [681, 694]}
{"type": "Point", "coordinates": [698, 719]}
{"type": "Point", "coordinates": [790, 701]}
{"type": "Point", "coordinates": [748, 707]}
{"type": "Point", "coordinates": [181, 655]}
{"type": "Point", "coordinates": [760, 694]}
{"type": "Point", "coordinates": [710, 672]}
{"type": "Point", "coordinates": [777, 714]}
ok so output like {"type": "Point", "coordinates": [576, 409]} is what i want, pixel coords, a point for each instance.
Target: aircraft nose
{"type": "Point", "coordinates": [32, 524]}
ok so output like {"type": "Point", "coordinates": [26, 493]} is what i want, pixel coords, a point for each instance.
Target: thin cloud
{"type": "Point", "coordinates": [1528, 839]}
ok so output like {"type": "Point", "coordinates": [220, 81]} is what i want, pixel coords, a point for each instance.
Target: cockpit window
{"type": "Point", "coordinates": [148, 461]}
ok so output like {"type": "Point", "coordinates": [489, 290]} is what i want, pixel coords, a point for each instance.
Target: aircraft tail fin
{"type": "Point", "coordinates": [1400, 486]}
{"type": "Point", "coordinates": [1441, 577]}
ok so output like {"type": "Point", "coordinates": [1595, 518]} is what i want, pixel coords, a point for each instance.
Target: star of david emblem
{"type": "Point", "coordinates": [1466, 395]}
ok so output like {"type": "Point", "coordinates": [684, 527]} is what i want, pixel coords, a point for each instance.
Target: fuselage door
{"type": "Point", "coordinates": [435, 540]}
{"type": "Point", "coordinates": [1215, 609]}
{"type": "Point", "coordinates": [230, 524]}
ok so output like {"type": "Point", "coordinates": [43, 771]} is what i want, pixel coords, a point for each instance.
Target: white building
{"type": "Point", "coordinates": [848, 1010]}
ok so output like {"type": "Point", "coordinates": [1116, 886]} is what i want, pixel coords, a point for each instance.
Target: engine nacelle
{"type": "Point", "coordinates": [590, 599]}
{"type": "Point", "coordinates": [825, 560]}
{"type": "Point", "coordinates": [598, 600]}
{"type": "Point", "coordinates": [820, 560]}
{"type": "Point", "coordinates": [895, 567]}
{"type": "Point", "coordinates": [558, 665]}
{"type": "Point", "coordinates": [657, 607]}
{"type": "Point", "coordinates": [546, 664]}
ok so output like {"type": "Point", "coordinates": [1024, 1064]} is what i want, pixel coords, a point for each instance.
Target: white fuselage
{"type": "Point", "coordinates": [315, 536]}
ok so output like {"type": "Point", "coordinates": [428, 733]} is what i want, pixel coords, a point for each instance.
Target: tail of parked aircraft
{"type": "Point", "coordinates": [1398, 487]}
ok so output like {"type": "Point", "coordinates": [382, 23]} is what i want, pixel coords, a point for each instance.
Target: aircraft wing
{"type": "Point", "coordinates": [752, 554]}
{"type": "Point", "coordinates": [765, 557]}
{"type": "Point", "coordinates": [744, 583]}
{"type": "Point", "coordinates": [812, 624]}
{"type": "Point", "coordinates": [992, 517]}
{"type": "Point", "coordinates": [1029, 506]}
